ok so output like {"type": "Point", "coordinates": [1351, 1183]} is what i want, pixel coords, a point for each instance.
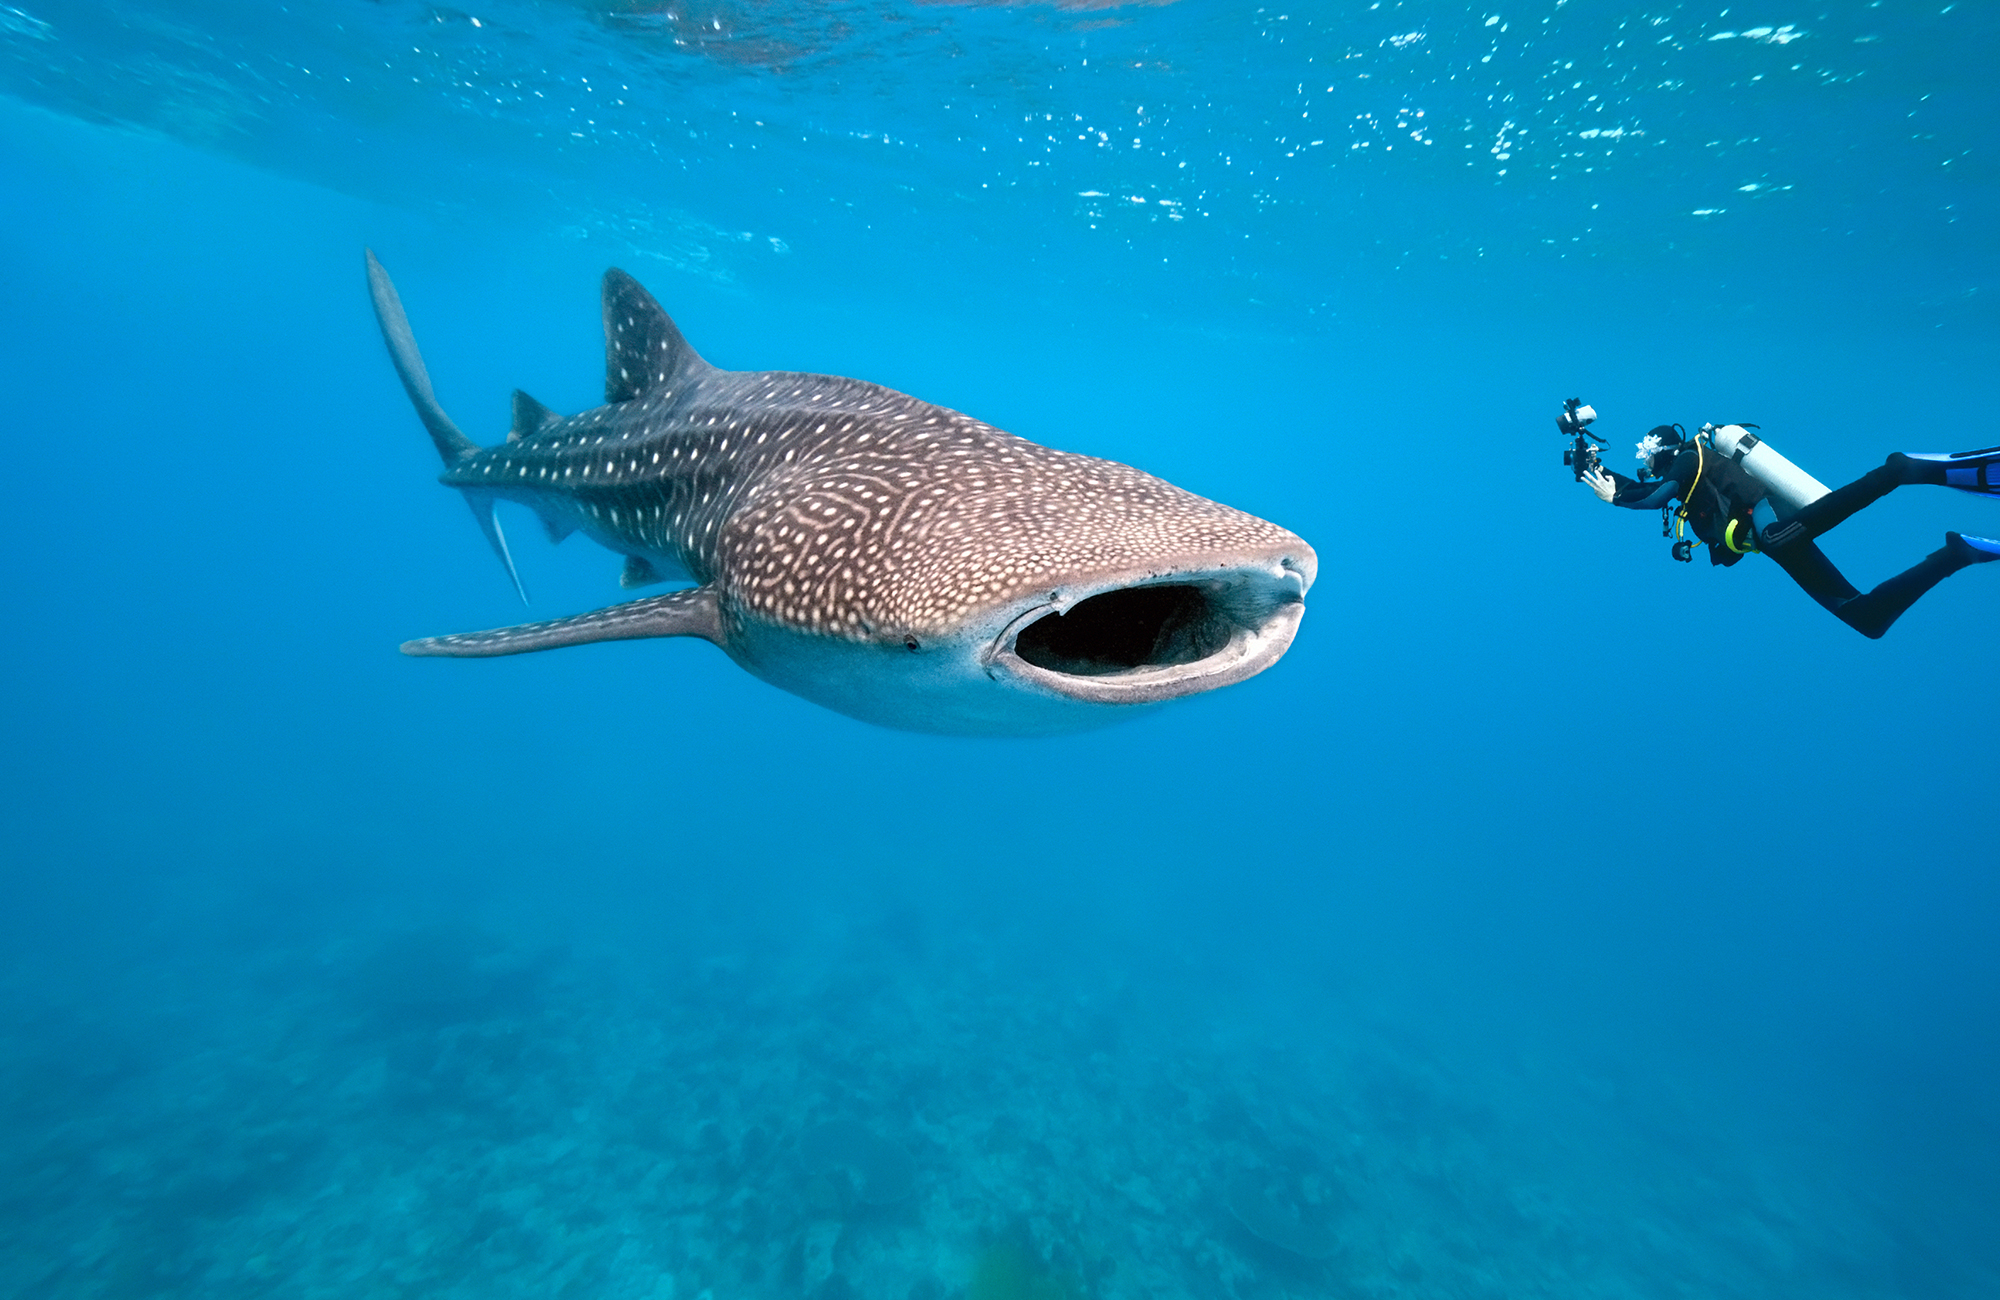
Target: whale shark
{"type": "Point", "coordinates": [896, 561]}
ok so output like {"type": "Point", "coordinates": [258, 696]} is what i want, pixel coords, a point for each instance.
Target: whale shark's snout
{"type": "Point", "coordinates": [1157, 635]}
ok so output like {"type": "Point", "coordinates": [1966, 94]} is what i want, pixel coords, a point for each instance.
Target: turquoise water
{"type": "Point", "coordinates": [1554, 920]}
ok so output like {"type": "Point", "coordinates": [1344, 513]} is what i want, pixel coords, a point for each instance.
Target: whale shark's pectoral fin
{"type": "Point", "coordinates": [694, 612]}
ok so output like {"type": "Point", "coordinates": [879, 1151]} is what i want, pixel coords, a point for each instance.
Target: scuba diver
{"type": "Point", "coordinates": [1740, 498]}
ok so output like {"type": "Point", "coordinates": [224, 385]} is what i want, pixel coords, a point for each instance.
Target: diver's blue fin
{"type": "Point", "coordinates": [1975, 471]}
{"type": "Point", "coordinates": [1975, 550]}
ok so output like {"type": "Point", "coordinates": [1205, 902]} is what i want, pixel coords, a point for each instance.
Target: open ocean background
{"type": "Point", "coordinates": [1555, 920]}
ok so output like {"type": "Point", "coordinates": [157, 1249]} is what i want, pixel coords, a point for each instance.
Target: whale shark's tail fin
{"type": "Point", "coordinates": [452, 444]}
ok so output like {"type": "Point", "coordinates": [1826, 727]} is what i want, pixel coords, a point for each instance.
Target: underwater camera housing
{"type": "Point", "coordinates": [1575, 421]}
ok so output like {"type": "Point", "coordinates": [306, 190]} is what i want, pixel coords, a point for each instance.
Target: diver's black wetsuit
{"type": "Point", "coordinates": [1724, 493]}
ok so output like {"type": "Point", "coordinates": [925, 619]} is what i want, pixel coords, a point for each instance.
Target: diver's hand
{"type": "Point", "coordinates": [1600, 483]}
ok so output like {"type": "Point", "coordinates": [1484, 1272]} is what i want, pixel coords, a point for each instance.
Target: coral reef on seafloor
{"type": "Point", "coordinates": [1291, 1210]}
{"type": "Point", "coordinates": [1009, 1269]}
{"type": "Point", "coordinates": [451, 1114]}
{"type": "Point", "coordinates": [856, 1163]}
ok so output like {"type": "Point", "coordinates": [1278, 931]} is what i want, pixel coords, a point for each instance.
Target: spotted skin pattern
{"type": "Point", "coordinates": [827, 505]}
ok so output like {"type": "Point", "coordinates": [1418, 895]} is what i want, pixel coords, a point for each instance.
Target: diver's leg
{"type": "Point", "coordinates": [1833, 509]}
{"type": "Point", "coordinates": [1808, 566]}
{"type": "Point", "coordinates": [1871, 613]}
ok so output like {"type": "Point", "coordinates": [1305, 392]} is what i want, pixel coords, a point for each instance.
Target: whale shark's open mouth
{"type": "Point", "coordinates": [1159, 637]}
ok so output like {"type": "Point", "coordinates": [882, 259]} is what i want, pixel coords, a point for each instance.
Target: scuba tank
{"type": "Point", "coordinates": [1791, 488]}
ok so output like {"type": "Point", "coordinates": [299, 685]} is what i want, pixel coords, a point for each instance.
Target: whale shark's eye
{"type": "Point", "coordinates": [1135, 627]}
{"type": "Point", "coordinates": [910, 643]}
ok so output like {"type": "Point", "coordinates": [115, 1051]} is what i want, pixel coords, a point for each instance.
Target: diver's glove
{"type": "Point", "coordinates": [1600, 483]}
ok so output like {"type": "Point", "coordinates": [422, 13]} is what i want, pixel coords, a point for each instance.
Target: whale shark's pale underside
{"type": "Point", "coordinates": [894, 560]}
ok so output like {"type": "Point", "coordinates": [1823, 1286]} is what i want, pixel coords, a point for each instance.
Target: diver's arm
{"type": "Point", "coordinates": [1615, 489]}
{"type": "Point", "coordinates": [1644, 496]}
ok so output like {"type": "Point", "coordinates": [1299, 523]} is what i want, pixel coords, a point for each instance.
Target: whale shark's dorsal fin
{"type": "Point", "coordinates": [643, 350]}
{"type": "Point", "coordinates": [530, 417]}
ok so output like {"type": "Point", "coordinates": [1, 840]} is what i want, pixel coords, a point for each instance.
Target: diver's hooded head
{"type": "Point", "coordinates": [1658, 448]}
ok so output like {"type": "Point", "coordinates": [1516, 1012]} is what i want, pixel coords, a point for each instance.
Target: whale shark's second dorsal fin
{"type": "Point", "coordinates": [530, 417]}
{"type": "Point", "coordinates": [643, 350]}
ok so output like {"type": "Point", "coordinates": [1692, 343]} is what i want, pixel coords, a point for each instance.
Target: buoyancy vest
{"type": "Point", "coordinates": [1723, 491]}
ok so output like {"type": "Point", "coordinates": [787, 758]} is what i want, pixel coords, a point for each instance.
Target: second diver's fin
{"type": "Point", "coordinates": [1976, 471]}
{"type": "Point", "coordinates": [693, 612]}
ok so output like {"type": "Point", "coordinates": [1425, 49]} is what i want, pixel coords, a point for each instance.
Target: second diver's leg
{"type": "Point", "coordinates": [1808, 566]}
{"type": "Point", "coordinates": [1872, 612]}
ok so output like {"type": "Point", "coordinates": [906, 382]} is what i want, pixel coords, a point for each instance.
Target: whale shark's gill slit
{"type": "Point", "coordinates": [1134, 627]}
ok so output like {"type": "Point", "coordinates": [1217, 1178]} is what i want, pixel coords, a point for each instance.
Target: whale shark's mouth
{"type": "Point", "coordinates": [1157, 638]}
